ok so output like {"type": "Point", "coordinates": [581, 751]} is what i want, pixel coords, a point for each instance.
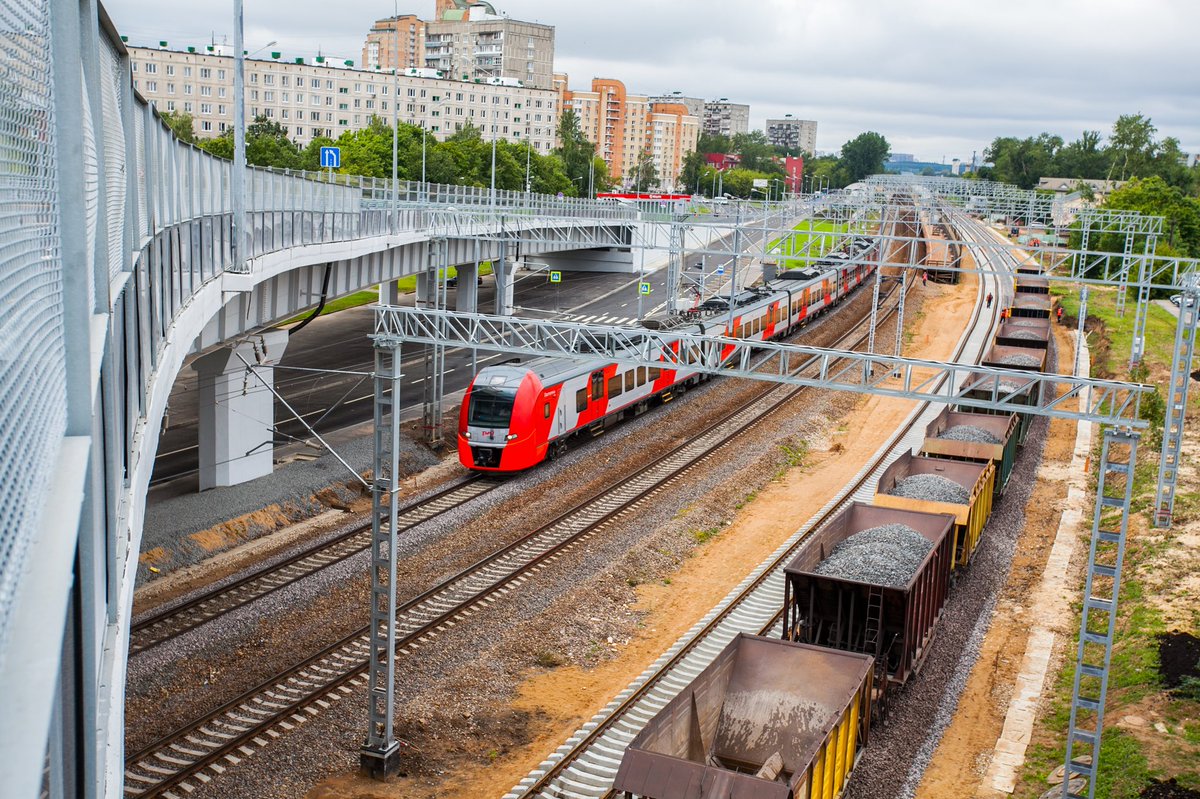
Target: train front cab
{"type": "Point", "coordinates": [504, 422]}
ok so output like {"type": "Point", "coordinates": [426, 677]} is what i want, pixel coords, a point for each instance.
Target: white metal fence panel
{"type": "Point", "coordinates": [112, 127]}
{"type": "Point", "coordinates": [32, 379]}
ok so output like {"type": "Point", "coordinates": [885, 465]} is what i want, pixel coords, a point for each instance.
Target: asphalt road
{"type": "Point", "coordinates": [339, 341]}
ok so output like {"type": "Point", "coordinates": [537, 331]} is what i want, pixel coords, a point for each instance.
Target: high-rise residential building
{"type": "Point", "coordinates": [476, 44]}
{"type": "Point", "coordinates": [625, 125]}
{"type": "Point", "coordinates": [321, 98]}
{"type": "Point", "coordinates": [694, 105]}
{"type": "Point", "coordinates": [395, 42]}
{"type": "Point", "coordinates": [795, 134]}
{"type": "Point", "coordinates": [723, 118]}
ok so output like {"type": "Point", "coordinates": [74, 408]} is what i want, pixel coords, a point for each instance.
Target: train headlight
{"type": "Point", "coordinates": [466, 434]}
{"type": "Point", "coordinates": [510, 437]}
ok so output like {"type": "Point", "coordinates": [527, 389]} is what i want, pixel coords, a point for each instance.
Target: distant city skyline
{"type": "Point", "coordinates": [938, 79]}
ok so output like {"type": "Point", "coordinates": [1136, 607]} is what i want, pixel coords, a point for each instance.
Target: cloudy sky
{"type": "Point", "coordinates": [938, 78]}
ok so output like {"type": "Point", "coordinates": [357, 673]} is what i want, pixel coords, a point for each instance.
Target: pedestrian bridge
{"type": "Point", "coordinates": [122, 252]}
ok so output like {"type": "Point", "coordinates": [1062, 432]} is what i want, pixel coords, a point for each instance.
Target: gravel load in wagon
{"type": "Point", "coordinates": [1019, 391]}
{"type": "Point", "coordinates": [1033, 306]}
{"type": "Point", "coordinates": [1027, 333]}
{"type": "Point", "coordinates": [975, 438]}
{"type": "Point", "coordinates": [968, 432]}
{"type": "Point", "coordinates": [1020, 360]}
{"type": "Point", "coordinates": [887, 555]}
{"type": "Point", "coordinates": [868, 600]}
{"type": "Point", "coordinates": [931, 487]}
{"type": "Point", "coordinates": [941, 485]}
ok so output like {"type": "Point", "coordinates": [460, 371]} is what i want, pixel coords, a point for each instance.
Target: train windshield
{"type": "Point", "coordinates": [491, 406]}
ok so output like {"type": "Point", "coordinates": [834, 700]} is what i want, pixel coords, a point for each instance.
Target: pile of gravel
{"type": "Point", "coordinates": [1020, 360]}
{"type": "Point", "coordinates": [1026, 333]}
{"type": "Point", "coordinates": [969, 432]}
{"type": "Point", "coordinates": [932, 487]}
{"type": "Point", "coordinates": [888, 555]}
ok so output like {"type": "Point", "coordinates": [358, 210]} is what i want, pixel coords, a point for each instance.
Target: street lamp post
{"type": "Point", "coordinates": [494, 129]}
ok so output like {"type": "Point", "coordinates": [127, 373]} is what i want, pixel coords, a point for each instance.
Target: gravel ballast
{"type": "Point", "coordinates": [969, 432]}
{"type": "Point", "coordinates": [1020, 360]}
{"type": "Point", "coordinates": [931, 487]}
{"type": "Point", "coordinates": [888, 555]}
{"type": "Point", "coordinates": [1026, 334]}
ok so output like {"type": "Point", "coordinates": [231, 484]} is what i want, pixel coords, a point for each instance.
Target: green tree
{"type": "Point", "coordinates": [862, 156]}
{"type": "Point", "coordinates": [574, 150]}
{"type": "Point", "coordinates": [1131, 147]}
{"type": "Point", "coordinates": [644, 173]}
{"type": "Point", "coordinates": [757, 154]}
{"type": "Point", "coordinates": [714, 143]}
{"type": "Point", "coordinates": [1023, 162]}
{"type": "Point", "coordinates": [1083, 158]}
{"type": "Point", "coordinates": [181, 124]}
{"type": "Point", "coordinates": [267, 144]}
{"type": "Point", "coordinates": [691, 173]}
{"type": "Point", "coordinates": [1154, 196]}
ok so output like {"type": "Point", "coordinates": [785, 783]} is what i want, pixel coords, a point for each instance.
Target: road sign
{"type": "Point", "coordinates": [721, 269]}
{"type": "Point", "coordinates": [643, 288]}
{"type": "Point", "coordinates": [331, 158]}
{"type": "Point", "coordinates": [556, 277]}
{"type": "Point", "coordinates": [760, 183]}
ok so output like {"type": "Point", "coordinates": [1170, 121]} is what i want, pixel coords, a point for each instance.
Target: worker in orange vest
{"type": "Point", "coordinates": [1059, 313]}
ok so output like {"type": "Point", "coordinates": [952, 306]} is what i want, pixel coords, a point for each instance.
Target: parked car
{"type": "Point", "coordinates": [452, 282]}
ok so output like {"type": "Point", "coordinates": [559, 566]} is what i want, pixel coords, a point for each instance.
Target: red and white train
{"type": "Point", "coordinates": [516, 415]}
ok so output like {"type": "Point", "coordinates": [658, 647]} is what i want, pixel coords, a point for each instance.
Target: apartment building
{"type": "Point", "coordinates": [395, 43]}
{"type": "Point", "coordinates": [794, 134]}
{"type": "Point", "coordinates": [694, 105]}
{"type": "Point", "coordinates": [472, 44]}
{"type": "Point", "coordinates": [624, 125]}
{"type": "Point", "coordinates": [723, 118]}
{"type": "Point", "coordinates": [318, 98]}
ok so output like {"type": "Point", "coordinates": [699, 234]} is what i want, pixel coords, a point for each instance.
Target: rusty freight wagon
{"type": "Point", "coordinates": [1031, 306]}
{"type": "Point", "coordinates": [1029, 359]}
{"type": "Point", "coordinates": [1025, 391]}
{"type": "Point", "coordinates": [975, 438]}
{"type": "Point", "coordinates": [767, 719]}
{"type": "Point", "coordinates": [912, 483]}
{"type": "Point", "coordinates": [880, 592]}
{"type": "Point", "coordinates": [1018, 332]}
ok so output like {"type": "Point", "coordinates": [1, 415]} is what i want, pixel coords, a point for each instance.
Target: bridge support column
{"type": "Point", "coordinates": [503, 270]}
{"type": "Point", "coordinates": [237, 412]}
{"type": "Point", "coordinates": [388, 293]}
{"type": "Point", "coordinates": [466, 296]}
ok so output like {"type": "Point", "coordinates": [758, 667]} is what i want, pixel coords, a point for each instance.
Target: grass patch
{"type": "Point", "coordinates": [1118, 330]}
{"type": "Point", "coordinates": [813, 238]}
{"type": "Point", "coordinates": [405, 285]}
{"type": "Point", "coordinates": [707, 534]}
{"type": "Point", "coordinates": [548, 660]}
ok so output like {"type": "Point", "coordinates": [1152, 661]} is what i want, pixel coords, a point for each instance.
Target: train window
{"type": "Point", "coordinates": [630, 380]}
{"type": "Point", "coordinates": [597, 385]}
{"type": "Point", "coordinates": [546, 410]}
{"type": "Point", "coordinates": [614, 386]}
{"type": "Point", "coordinates": [581, 400]}
{"type": "Point", "coordinates": [641, 374]}
{"type": "Point", "coordinates": [490, 407]}
{"type": "Point", "coordinates": [654, 373]}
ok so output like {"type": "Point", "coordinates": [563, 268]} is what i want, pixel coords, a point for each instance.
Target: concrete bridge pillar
{"type": "Point", "coordinates": [503, 269]}
{"type": "Point", "coordinates": [237, 410]}
{"type": "Point", "coordinates": [388, 293]}
{"type": "Point", "coordinates": [466, 296]}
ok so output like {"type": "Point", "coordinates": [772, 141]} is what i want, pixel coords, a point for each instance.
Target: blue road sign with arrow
{"type": "Point", "coordinates": [331, 158]}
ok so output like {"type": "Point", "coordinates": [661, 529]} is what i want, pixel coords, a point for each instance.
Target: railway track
{"type": "Point", "coordinates": [174, 765]}
{"type": "Point", "coordinates": [173, 621]}
{"type": "Point", "coordinates": [586, 764]}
